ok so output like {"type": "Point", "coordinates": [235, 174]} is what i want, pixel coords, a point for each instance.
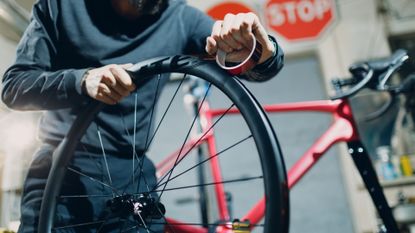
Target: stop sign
{"type": "Point", "coordinates": [300, 19]}
{"type": "Point", "coordinates": [220, 10]}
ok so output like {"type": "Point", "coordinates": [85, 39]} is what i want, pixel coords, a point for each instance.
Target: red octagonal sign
{"type": "Point", "coordinates": [300, 19]}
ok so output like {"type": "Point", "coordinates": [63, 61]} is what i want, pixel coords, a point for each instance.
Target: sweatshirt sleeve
{"type": "Point", "coordinates": [33, 82]}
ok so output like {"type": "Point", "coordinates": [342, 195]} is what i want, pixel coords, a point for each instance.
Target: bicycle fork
{"type": "Point", "coordinates": [367, 172]}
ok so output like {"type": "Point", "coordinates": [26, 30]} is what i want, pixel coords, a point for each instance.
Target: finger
{"type": "Point", "coordinates": [247, 24]}
{"type": "Point", "coordinates": [216, 35]}
{"type": "Point", "coordinates": [108, 86]}
{"type": "Point", "coordinates": [110, 92]}
{"type": "Point", "coordinates": [120, 90]}
{"type": "Point", "coordinates": [256, 25]}
{"type": "Point", "coordinates": [106, 99]}
{"type": "Point", "coordinates": [258, 30]}
{"type": "Point", "coordinates": [236, 29]}
{"type": "Point", "coordinates": [116, 94]}
{"type": "Point", "coordinates": [241, 32]}
{"type": "Point", "coordinates": [126, 66]}
{"type": "Point", "coordinates": [211, 47]}
{"type": "Point", "coordinates": [108, 78]}
{"type": "Point", "coordinates": [228, 28]}
{"type": "Point", "coordinates": [123, 78]}
{"type": "Point", "coordinates": [217, 27]}
{"type": "Point", "coordinates": [116, 86]}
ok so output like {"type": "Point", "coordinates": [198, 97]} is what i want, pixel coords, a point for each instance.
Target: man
{"type": "Point", "coordinates": [77, 50]}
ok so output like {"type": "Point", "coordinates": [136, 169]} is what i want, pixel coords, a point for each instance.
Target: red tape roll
{"type": "Point", "coordinates": [245, 65]}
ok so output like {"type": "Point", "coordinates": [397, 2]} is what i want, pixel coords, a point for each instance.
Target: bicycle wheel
{"type": "Point", "coordinates": [254, 175]}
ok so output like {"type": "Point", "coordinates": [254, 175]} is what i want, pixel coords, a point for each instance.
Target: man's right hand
{"type": "Point", "coordinates": [108, 84]}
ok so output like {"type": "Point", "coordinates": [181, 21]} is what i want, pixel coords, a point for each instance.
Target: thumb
{"type": "Point", "coordinates": [211, 45]}
{"type": "Point", "coordinates": [126, 66]}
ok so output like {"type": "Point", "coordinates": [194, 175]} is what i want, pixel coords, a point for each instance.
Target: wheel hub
{"type": "Point", "coordinates": [140, 206]}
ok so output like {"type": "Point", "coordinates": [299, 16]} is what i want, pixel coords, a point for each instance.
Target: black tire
{"type": "Point", "coordinates": [271, 164]}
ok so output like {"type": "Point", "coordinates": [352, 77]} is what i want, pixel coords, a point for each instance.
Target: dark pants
{"type": "Point", "coordinates": [80, 209]}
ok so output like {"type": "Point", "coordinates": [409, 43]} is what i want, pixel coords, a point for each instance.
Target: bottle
{"type": "Point", "coordinates": [406, 166]}
{"type": "Point", "coordinates": [387, 168]}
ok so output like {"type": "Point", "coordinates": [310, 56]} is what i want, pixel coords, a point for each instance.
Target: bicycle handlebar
{"type": "Point", "coordinates": [375, 75]}
{"type": "Point", "coordinates": [356, 88]}
{"type": "Point", "coordinates": [407, 87]}
{"type": "Point", "coordinates": [371, 74]}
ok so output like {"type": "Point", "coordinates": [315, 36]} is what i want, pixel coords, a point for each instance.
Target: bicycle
{"type": "Point", "coordinates": [375, 75]}
{"type": "Point", "coordinates": [143, 209]}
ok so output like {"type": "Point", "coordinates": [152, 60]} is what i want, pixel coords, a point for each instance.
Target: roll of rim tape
{"type": "Point", "coordinates": [245, 65]}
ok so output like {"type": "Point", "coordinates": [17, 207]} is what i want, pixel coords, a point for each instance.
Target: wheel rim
{"type": "Point", "coordinates": [257, 124]}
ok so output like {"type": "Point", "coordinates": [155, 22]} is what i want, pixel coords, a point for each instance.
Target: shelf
{"type": "Point", "coordinates": [402, 181]}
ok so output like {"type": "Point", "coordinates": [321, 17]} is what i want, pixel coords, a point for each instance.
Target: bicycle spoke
{"type": "Point", "coordinates": [187, 136]}
{"type": "Point", "coordinates": [105, 158]}
{"type": "Point", "coordinates": [134, 227]}
{"type": "Point", "coordinates": [90, 156]}
{"type": "Point", "coordinates": [93, 179]}
{"type": "Point", "coordinates": [160, 122]}
{"type": "Point", "coordinates": [165, 220]}
{"type": "Point", "coordinates": [131, 228]}
{"type": "Point", "coordinates": [103, 224]}
{"type": "Point", "coordinates": [146, 183]}
{"type": "Point", "coordinates": [144, 223]}
{"type": "Point", "coordinates": [134, 133]}
{"type": "Point", "coordinates": [213, 183]}
{"type": "Point", "coordinates": [208, 159]}
{"type": "Point", "coordinates": [193, 146]}
{"type": "Point", "coordinates": [85, 196]}
{"type": "Point", "coordinates": [122, 227]}
{"type": "Point", "coordinates": [167, 109]}
{"type": "Point", "coordinates": [201, 224]}
{"type": "Point", "coordinates": [148, 131]}
{"type": "Point", "coordinates": [79, 225]}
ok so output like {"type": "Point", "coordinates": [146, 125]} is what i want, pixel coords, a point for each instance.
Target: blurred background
{"type": "Point", "coordinates": [321, 38]}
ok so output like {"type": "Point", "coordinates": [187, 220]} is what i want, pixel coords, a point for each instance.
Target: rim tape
{"type": "Point", "coordinates": [245, 65]}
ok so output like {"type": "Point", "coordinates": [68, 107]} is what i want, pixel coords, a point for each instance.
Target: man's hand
{"type": "Point", "coordinates": [108, 84]}
{"type": "Point", "coordinates": [234, 34]}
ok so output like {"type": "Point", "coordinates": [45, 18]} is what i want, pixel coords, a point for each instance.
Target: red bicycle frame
{"type": "Point", "coordinates": [342, 129]}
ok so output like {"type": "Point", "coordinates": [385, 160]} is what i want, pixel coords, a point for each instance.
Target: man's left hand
{"type": "Point", "coordinates": [234, 35]}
